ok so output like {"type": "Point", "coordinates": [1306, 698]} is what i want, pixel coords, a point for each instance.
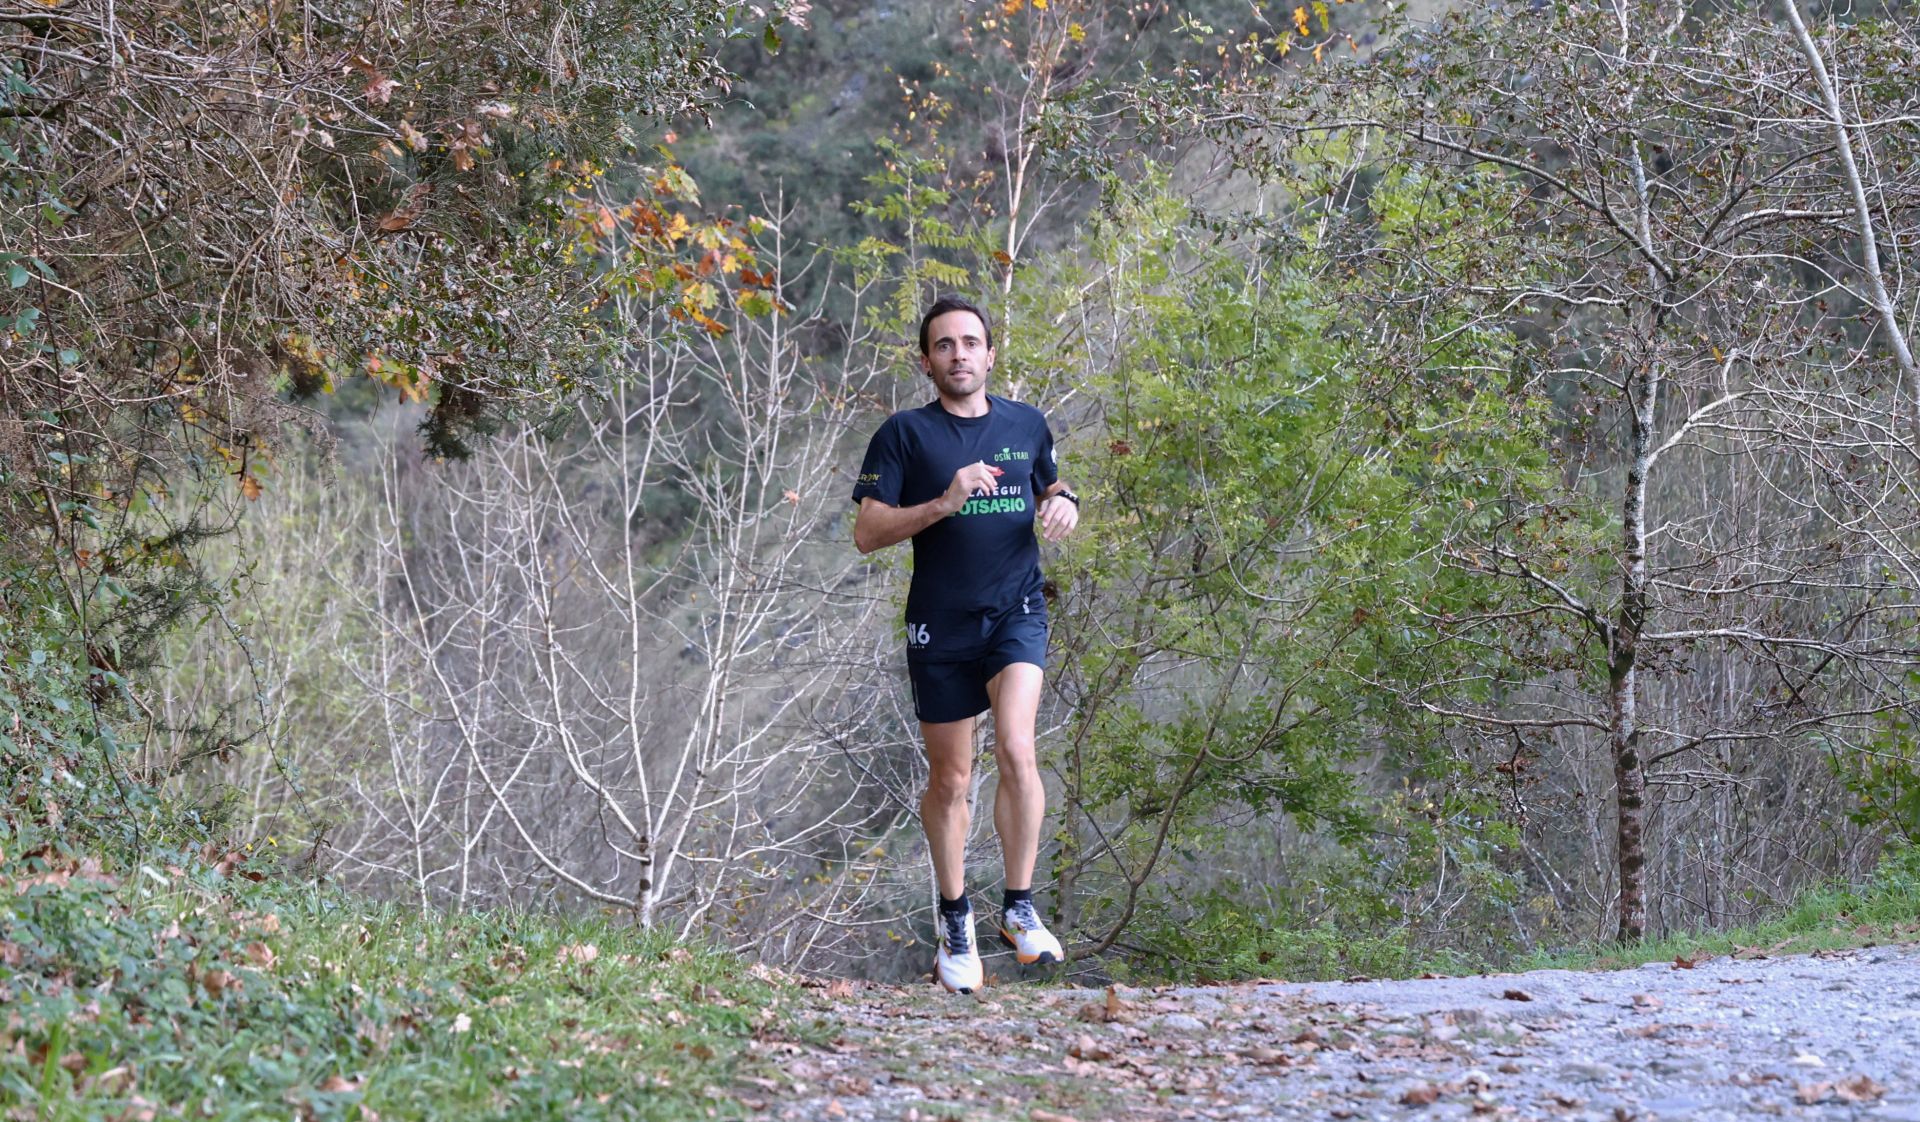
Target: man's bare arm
{"type": "Point", "coordinates": [878, 525]}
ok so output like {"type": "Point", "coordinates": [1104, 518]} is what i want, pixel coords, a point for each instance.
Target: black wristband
{"type": "Point", "coordinates": [1063, 493]}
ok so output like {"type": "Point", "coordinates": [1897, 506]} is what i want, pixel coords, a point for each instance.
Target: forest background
{"type": "Point", "coordinates": [427, 436]}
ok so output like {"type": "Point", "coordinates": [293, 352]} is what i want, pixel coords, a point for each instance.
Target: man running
{"type": "Point", "coordinates": [966, 476]}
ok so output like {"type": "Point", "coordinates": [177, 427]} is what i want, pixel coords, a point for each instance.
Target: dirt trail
{"type": "Point", "coordinates": [1833, 1037]}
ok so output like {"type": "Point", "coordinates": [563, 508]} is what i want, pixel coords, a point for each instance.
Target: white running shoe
{"type": "Point", "coordinates": [1032, 943]}
{"type": "Point", "coordinates": [957, 962]}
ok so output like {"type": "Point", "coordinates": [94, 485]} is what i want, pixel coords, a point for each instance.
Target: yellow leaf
{"type": "Point", "coordinates": [1076, 33]}
{"type": "Point", "coordinates": [1012, 6]}
{"type": "Point", "coordinates": [1300, 20]}
{"type": "Point", "coordinates": [1040, 5]}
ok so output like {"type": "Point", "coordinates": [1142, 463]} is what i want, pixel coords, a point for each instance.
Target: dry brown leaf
{"type": "Point", "coordinates": [380, 89]}
{"type": "Point", "coordinates": [582, 953]}
{"type": "Point", "coordinates": [1425, 1095]}
{"type": "Point", "coordinates": [1859, 1089]}
{"type": "Point", "coordinates": [840, 989]}
{"type": "Point", "coordinates": [1262, 1055]}
{"type": "Point", "coordinates": [334, 1084]}
{"type": "Point", "coordinates": [1646, 1002]}
{"type": "Point", "coordinates": [261, 955]}
{"type": "Point", "coordinates": [1810, 1093]}
{"type": "Point", "coordinates": [116, 1081]}
{"type": "Point", "coordinates": [1517, 995]}
{"type": "Point", "coordinates": [1041, 1114]}
{"type": "Point", "coordinates": [1682, 962]}
{"type": "Point", "coordinates": [1086, 1047]}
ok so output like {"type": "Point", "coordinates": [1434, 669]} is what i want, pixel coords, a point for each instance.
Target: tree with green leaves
{"type": "Point", "coordinates": [1690, 265]}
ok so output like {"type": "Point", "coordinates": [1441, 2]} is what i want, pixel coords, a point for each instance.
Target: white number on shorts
{"type": "Point", "coordinates": [917, 635]}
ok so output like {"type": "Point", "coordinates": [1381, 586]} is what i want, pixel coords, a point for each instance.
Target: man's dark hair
{"type": "Point", "coordinates": [951, 303]}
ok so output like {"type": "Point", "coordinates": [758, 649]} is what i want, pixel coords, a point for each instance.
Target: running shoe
{"type": "Point", "coordinates": [957, 962]}
{"type": "Point", "coordinates": [1032, 943]}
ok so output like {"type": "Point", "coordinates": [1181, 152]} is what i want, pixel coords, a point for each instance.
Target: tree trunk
{"type": "Point", "coordinates": [1630, 783]}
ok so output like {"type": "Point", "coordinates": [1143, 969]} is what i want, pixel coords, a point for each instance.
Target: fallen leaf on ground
{"type": "Point", "coordinates": [1646, 1002]}
{"type": "Point", "coordinates": [1087, 1048]}
{"type": "Point", "coordinates": [1682, 962]}
{"type": "Point", "coordinates": [1859, 1089]}
{"type": "Point", "coordinates": [1042, 1115]}
{"type": "Point", "coordinates": [1517, 995]}
{"type": "Point", "coordinates": [1420, 1096]}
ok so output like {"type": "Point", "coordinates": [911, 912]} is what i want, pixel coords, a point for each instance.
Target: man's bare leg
{"type": "Point", "coordinates": [1019, 801]}
{"type": "Point", "coordinates": [943, 809]}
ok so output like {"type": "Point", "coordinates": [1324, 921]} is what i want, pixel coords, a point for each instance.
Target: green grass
{"type": "Point", "coordinates": [147, 972]}
{"type": "Point", "coordinates": [187, 991]}
{"type": "Point", "coordinates": [1225, 942]}
{"type": "Point", "coordinates": [1832, 916]}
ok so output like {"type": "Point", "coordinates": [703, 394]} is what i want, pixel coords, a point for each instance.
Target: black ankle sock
{"type": "Point", "coordinates": [1013, 896]}
{"type": "Point", "coordinates": [955, 906]}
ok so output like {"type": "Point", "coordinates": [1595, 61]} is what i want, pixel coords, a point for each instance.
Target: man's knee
{"type": "Point", "coordinates": [948, 784]}
{"type": "Point", "coordinates": [1014, 755]}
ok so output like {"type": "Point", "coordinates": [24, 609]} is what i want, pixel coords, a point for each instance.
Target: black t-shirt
{"type": "Point", "coordinates": [970, 568]}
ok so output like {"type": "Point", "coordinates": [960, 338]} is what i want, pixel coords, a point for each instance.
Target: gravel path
{"type": "Point", "coordinates": [1829, 1036]}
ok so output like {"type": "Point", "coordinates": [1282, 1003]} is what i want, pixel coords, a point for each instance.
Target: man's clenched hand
{"type": "Point", "coordinates": [1058, 517]}
{"type": "Point", "coordinates": [975, 477]}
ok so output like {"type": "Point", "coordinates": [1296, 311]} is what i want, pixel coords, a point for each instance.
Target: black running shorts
{"type": "Point", "coordinates": [953, 690]}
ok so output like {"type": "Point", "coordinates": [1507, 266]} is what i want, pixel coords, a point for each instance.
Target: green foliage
{"type": "Point", "coordinates": [1274, 499]}
{"type": "Point", "coordinates": [1887, 780]}
{"type": "Point", "coordinates": [147, 967]}
{"type": "Point", "coordinates": [190, 988]}
{"type": "Point", "coordinates": [1828, 916]}
{"type": "Point", "coordinates": [1219, 938]}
